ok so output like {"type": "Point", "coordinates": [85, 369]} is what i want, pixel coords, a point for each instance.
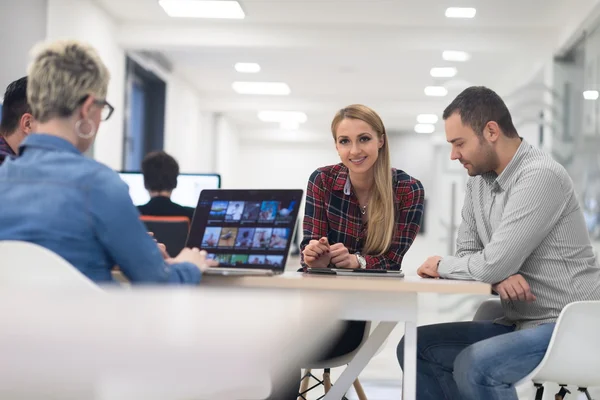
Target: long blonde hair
{"type": "Point", "coordinates": [381, 215]}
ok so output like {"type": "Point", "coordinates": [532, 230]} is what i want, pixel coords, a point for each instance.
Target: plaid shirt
{"type": "Point", "coordinates": [332, 211]}
{"type": "Point", "coordinates": [5, 150]}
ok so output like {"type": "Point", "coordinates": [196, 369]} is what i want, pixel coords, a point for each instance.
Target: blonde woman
{"type": "Point", "coordinates": [54, 196]}
{"type": "Point", "coordinates": [360, 213]}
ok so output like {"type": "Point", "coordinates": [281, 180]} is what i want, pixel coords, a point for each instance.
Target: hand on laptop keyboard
{"type": "Point", "coordinates": [196, 257]}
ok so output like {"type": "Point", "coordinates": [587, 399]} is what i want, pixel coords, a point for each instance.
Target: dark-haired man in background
{"type": "Point", "coordinates": [16, 122]}
{"type": "Point", "coordinates": [160, 179]}
{"type": "Point", "coordinates": [522, 231]}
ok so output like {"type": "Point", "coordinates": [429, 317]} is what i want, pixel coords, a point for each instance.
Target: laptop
{"type": "Point", "coordinates": [249, 232]}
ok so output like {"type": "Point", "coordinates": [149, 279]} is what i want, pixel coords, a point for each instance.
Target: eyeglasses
{"type": "Point", "coordinates": [107, 108]}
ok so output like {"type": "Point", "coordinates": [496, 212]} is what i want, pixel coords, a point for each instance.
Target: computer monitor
{"type": "Point", "coordinates": [186, 193]}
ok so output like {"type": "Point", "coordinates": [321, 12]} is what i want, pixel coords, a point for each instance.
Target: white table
{"type": "Point", "coordinates": [168, 343]}
{"type": "Point", "coordinates": [388, 300]}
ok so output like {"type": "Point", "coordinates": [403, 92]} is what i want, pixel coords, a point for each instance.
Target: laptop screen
{"type": "Point", "coordinates": [246, 228]}
{"type": "Point", "coordinates": [186, 193]}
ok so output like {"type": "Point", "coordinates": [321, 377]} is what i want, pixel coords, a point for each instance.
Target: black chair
{"type": "Point", "coordinates": [171, 231]}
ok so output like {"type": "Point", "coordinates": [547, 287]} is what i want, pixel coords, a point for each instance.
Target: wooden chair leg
{"type": "Point", "coordinates": [304, 383]}
{"type": "Point", "coordinates": [327, 381]}
{"type": "Point", "coordinates": [359, 390]}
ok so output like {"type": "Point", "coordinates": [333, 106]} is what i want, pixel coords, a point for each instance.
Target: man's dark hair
{"type": "Point", "coordinates": [160, 172]}
{"type": "Point", "coordinates": [478, 105]}
{"type": "Point", "coordinates": [14, 106]}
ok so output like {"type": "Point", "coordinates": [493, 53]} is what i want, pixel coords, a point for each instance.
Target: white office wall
{"type": "Point", "coordinates": [281, 165]}
{"type": "Point", "coordinates": [22, 24]}
{"type": "Point", "coordinates": [189, 133]}
{"type": "Point", "coordinates": [234, 173]}
{"type": "Point", "coordinates": [84, 20]}
{"type": "Point", "coordinates": [414, 154]}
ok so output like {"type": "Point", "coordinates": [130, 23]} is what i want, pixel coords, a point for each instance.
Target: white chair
{"type": "Point", "coordinates": [334, 363]}
{"type": "Point", "coordinates": [573, 353]}
{"type": "Point", "coordinates": [27, 265]}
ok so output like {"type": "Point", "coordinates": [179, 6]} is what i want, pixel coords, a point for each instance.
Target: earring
{"type": "Point", "coordinates": [92, 128]}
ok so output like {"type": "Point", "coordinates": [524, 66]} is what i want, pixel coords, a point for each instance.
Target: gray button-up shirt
{"type": "Point", "coordinates": [526, 221]}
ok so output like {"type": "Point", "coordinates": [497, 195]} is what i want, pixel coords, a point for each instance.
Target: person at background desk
{"type": "Point", "coordinates": [54, 196]}
{"type": "Point", "coordinates": [360, 213]}
{"type": "Point", "coordinates": [522, 231]}
{"type": "Point", "coordinates": [160, 179]}
{"type": "Point", "coordinates": [16, 122]}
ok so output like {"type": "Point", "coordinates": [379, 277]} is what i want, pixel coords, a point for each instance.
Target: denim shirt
{"type": "Point", "coordinates": [80, 209]}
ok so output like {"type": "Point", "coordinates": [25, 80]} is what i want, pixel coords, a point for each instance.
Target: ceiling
{"type": "Point", "coordinates": [337, 52]}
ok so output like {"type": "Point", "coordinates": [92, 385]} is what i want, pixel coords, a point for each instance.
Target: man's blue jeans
{"type": "Point", "coordinates": [475, 360]}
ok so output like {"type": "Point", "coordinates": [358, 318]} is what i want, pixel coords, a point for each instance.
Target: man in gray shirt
{"type": "Point", "coordinates": [522, 231]}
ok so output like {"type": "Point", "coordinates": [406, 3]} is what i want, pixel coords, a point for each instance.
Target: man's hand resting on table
{"type": "Point", "coordinates": [514, 288]}
{"type": "Point", "coordinates": [429, 269]}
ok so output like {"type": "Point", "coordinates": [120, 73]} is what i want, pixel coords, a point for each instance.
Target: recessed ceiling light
{"type": "Point", "coordinates": [443, 72]}
{"type": "Point", "coordinates": [436, 91]}
{"type": "Point", "coordinates": [202, 9]}
{"type": "Point", "coordinates": [591, 95]}
{"type": "Point", "coordinates": [280, 116]}
{"type": "Point", "coordinates": [266, 88]}
{"type": "Point", "coordinates": [453, 55]}
{"type": "Point", "coordinates": [248, 68]}
{"type": "Point", "coordinates": [427, 118]}
{"type": "Point", "coordinates": [424, 128]}
{"type": "Point", "coordinates": [460, 12]}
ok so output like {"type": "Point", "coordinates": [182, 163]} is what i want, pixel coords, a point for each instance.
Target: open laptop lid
{"type": "Point", "coordinates": [246, 228]}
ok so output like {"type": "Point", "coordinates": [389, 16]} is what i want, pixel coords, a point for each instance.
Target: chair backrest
{"type": "Point", "coordinates": [346, 358]}
{"type": "Point", "coordinates": [573, 353]}
{"type": "Point", "coordinates": [489, 310]}
{"type": "Point", "coordinates": [171, 231]}
{"type": "Point", "coordinates": [28, 265]}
